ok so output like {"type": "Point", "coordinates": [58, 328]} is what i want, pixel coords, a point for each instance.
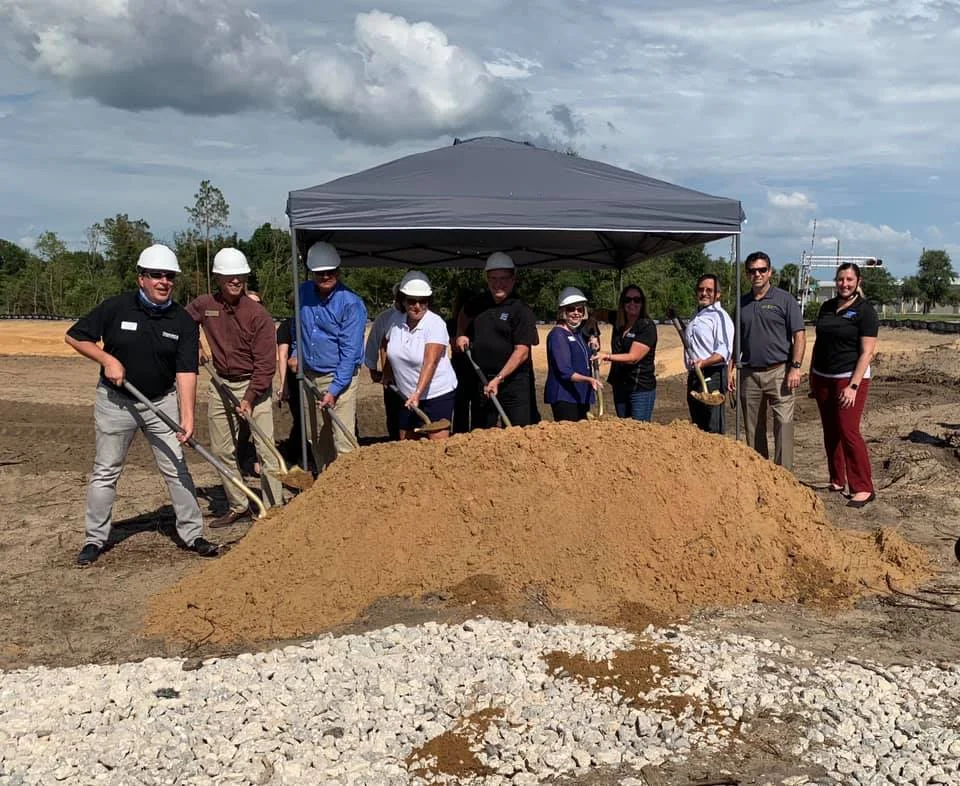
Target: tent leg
{"type": "Point", "coordinates": [298, 337]}
{"type": "Point", "coordinates": [737, 332]}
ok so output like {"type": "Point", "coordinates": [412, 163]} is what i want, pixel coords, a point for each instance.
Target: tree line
{"type": "Point", "coordinates": [51, 279]}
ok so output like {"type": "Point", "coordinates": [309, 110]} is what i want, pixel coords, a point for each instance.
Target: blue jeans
{"type": "Point", "coordinates": [636, 404]}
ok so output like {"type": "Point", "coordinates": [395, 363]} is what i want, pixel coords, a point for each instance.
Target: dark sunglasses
{"type": "Point", "coordinates": [756, 271]}
{"type": "Point", "coordinates": [156, 275]}
{"type": "Point", "coordinates": [581, 307]}
{"type": "Point", "coordinates": [632, 300]}
{"type": "Point", "coordinates": [418, 301]}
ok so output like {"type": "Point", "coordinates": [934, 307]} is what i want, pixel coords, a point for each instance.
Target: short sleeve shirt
{"type": "Point", "coordinates": [497, 328]}
{"type": "Point", "coordinates": [768, 326]}
{"type": "Point", "coordinates": [837, 347]}
{"type": "Point", "coordinates": [635, 376]}
{"type": "Point", "coordinates": [405, 350]}
{"type": "Point", "coordinates": [153, 346]}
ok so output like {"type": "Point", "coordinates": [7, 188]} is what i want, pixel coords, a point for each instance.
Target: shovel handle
{"type": "Point", "coordinates": [337, 421]}
{"type": "Point", "coordinates": [268, 441]}
{"type": "Point", "coordinates": [416, 410]}
{"type": "Point", "coordinates": [484, 381]}
{"type": "Point", "coordinates": [176, 428]}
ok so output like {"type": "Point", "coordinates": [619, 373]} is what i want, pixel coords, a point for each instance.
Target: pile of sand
{"type": "Point", "coordinates": [588, 517]}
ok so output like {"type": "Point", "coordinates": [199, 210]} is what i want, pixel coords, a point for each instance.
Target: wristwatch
{"type": "Point", "coordinates": [854, 386]}
{"type": "Point", "coordinates": [795, 364]}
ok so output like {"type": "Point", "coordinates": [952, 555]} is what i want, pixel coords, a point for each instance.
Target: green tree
{"type": "Point", "coordinates": [909, 289]}
{"type": "Point", "coordinates": [268, 251]}
{"type": "Point", "coordinates": [788, 278]}
{"type": "Point", "coordinates": [935, 276]}
{"type": "Point", "coordinates": [209, 213]}
{"type": "Point", "coordinates": [123, 239]}
{"type": "Point", "coordinates": [879, 287]}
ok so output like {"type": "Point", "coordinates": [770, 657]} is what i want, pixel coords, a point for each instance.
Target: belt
{"type": "Point", "coordinates": [767, 368]}
{"type": "Point", "coordinates": [236, 377]}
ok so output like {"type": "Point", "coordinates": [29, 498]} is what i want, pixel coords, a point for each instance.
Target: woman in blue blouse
{"type": "Point", "coordinates": [570, 386]}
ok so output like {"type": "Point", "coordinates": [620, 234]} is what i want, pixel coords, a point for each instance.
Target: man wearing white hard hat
{"type": "Point", "coordinates": [243, 342]}
{"type": "Point", "coordinates": [500, 329]}
{"type": "Point", "coordinates": [416, 359]}
{"type": "Point", "coordinates": [332, 322]}
{"type": "Point", "coordinates": [150, 341]}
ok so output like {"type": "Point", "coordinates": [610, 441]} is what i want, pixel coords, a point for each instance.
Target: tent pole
{"type": "Point", "coordinates": [298, 337]}
{"type": "Point", "coordinates": [738, 331]}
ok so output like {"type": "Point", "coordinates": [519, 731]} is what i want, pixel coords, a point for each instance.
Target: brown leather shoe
{"type": "Point", "coordinates": [229, 518]}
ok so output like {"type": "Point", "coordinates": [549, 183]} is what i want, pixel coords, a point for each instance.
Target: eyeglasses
{"type": "Point", "coordinates": [633, 300]}
{"type": "Point", "coordinates": [705, 290]}
{"type": "Point", "coordinates": [157, 275]}
{"type": "Point", "coordinates": [581, 307]}
{"type": "Point", "coordinates": [418, 301]}
{"type": "Point", "coordinates": [756, 271]}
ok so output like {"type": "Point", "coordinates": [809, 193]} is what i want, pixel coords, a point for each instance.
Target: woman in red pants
{"type": "Point", "coordinates": [847, 329]}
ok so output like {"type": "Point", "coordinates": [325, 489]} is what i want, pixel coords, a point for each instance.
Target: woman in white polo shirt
{"type": "Point", "coordinates": [417, 361]}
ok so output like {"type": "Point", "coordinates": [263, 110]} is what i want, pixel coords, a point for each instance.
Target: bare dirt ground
{"type": "Point", "coordinates": [54, 614]}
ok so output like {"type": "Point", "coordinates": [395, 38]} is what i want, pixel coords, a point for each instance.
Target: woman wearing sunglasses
{"type": "Point", "coordinates": [416, 359]}
{"type": "Point", "coordinates": [570, 387]}
{"type": "Point", "coordinates": [632, 360]}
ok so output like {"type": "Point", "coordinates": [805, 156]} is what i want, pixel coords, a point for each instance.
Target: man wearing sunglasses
{"type": "Point", "coordinates": [332, 322]}
{"type": "Point", "coordinates": [150, 341]}
{"type": "Point", "coordinates": [772, 343]}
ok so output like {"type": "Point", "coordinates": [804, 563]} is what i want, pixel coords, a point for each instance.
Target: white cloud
{"type": "Point", "coordinates": [394, 79]}
{"type": "Point", "coordinates": [793, 201]}
{"type": "Point", "coordinates": [509, 65]}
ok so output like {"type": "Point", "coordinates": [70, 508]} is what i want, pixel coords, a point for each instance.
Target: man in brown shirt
{"type": "Point", "coordinates": [243, 342]}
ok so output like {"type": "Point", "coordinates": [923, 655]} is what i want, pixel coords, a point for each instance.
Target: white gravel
{"type": "Point", "coordinates": [351, 709]}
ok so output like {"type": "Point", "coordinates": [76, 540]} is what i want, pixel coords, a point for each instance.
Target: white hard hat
{"type": "Point", "coordinates": [158, 257]}
{"type": "Point", "coordinates": [415, 284]}
{"type": "Point", "coordinates": [322, 256]}
{"type": "Point", "coordinates": [569, 296]}
{"type": "Point", "coordinates": [498, 261]}
{"type": "Point", "coordinates": [230, 262]}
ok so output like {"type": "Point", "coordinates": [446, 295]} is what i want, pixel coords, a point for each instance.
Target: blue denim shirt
{"type": "Point", "coordinates": [331, 330]}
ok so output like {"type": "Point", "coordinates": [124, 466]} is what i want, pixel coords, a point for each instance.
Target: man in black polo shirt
{"type": "Point", "coordinates": [500, 329]}
{"type": "Point", "coordinates": [772, 343]}
{"type": "Point", "coordinates": [154, 344]}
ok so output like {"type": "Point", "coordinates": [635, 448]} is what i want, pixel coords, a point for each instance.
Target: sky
{"type": "Point", "coordinates": [844, 112]}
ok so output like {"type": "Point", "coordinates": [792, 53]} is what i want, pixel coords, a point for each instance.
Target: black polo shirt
{"type": "Point", "coordinates": [497, 328]}
{"type": "Point", "coordinates": [635, 376]}
{"type": "Point", "coordinates": [153, 346]}
{"type": "Point", "coordinates": [768, 327]}
{"type": "Point", "coordinates": [838, 335]}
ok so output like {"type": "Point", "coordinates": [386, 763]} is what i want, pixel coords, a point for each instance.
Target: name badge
{"type": "Point", "coordinates": [571, 339]}
{"type": "Point", "coordinates": [174, 336]}
{"type": "Point", "coordinates": [211, 312]}
{"type": "Point", "coordinates": [128, 325]}
{"type": "Point", "coordinates": [504, 316]}
{"type": "Point", "coordinates": [630, 335]}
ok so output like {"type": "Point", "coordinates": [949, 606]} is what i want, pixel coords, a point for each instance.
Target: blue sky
{"type": "Point", "coordinates": [843, 112]}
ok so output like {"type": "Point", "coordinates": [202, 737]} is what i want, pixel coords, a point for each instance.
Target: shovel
{"type": "Point", "coordinates": [337, 420]}
{"type": "Point", "coordinates": [711, 399]}
{"type": "Point", "coordinates": [595, 370]}
{"type": "Point", "coordinates": [176, 428]}
{"type": "Point", "coordinates": [429, 426]}
{"type": "Point", "coordinates": [504, 420]}
{"type": "Point", "coordinates": [295, 477]}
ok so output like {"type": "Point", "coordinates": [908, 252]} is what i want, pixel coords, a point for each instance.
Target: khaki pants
{"type": "Point", "coordinates": [757, 390]}
{"type": "Point", "coordinates": [328, 441]}
{"type": "Point", "coordinates": [224, 422]}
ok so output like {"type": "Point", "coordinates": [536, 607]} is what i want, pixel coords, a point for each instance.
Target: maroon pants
{"type": "Point", "coordinates": [847, 457]}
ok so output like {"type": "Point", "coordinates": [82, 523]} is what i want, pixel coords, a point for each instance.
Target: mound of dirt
{"type": "Point", "coordinates": [585, 517]}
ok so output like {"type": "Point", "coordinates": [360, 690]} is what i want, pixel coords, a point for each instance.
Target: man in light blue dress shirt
{"type": "Point", "coordinates": [709, 336]}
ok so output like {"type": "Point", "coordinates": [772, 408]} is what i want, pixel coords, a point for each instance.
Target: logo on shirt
{"type": "Point", "coordinates": [504, 316]}
{"type": "Point", "coordinates": [174, 336]}
{"type": "Point", "coordinates": [211, 312]}
{"type": "Point", "coordinates": [128, 325]}
{"type": "Point", "coordinates": [849, 314]}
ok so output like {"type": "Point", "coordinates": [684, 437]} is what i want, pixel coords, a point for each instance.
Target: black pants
{"type": "Point", "coordinates": [392, 406]}
{"type": "Point", "coordinates": [706, 418]}
{"type": "Point", "coordinates": [516, 396]}
{"type": "Point", "coordinates": [466, 392]}
{"type": "Point", "coordinates": [296, 427]}
{"type": "Point", "coordinates": [567, 410]}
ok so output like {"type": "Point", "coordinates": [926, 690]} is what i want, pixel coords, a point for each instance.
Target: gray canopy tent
{"type": "Point", "coordinates": [453, 206]}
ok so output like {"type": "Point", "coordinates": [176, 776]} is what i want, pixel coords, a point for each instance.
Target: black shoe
{"type": "Point", "coordinates": [205, 548]}
{"type": "Point", "coordinates": [862, 503]}
{"type": "Point", "coordinates": [230, 517]}
{"type": "Point", "coordinates": [88, 555]}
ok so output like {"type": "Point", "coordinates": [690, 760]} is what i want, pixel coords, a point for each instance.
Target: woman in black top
{"type": "Point", "coordinates": [634, 349]}
{"type": "Point", "coordinates": [847, 328]}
